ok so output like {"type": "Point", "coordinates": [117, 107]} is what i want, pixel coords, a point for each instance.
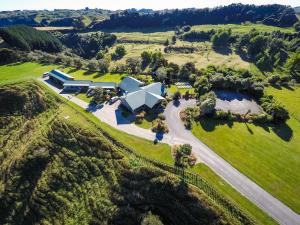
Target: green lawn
{"type": "Point", "coordinates": [22, 71]}
{"type": "Point", "coordinates": [173, 88]}
{"type": "Point", "coordinates": [93, 76]}
{"type": "Point", "coordinates": [268, 155]}
{"type": "Point", "coordinates": [83, 97]}
{"type": "Point", "coordinates": [243, 28]}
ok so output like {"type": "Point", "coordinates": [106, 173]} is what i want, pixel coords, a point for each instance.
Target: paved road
{"type": "Point", "coordinates": [179, 135]}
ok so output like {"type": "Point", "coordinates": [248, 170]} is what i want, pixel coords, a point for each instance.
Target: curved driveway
{"type": "Point", "coordinates": [179, 135]}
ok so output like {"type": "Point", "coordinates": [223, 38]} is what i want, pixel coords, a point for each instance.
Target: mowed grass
{"type": "Point", "coordinates": [270, 156]}
{"type": "Point", "coordinates": [243, 28]}
{"type": "Point", "coordinates": [16, 72]}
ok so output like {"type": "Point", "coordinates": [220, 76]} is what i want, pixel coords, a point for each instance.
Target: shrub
{"type": "Point", "coordinates": [177, 95]}
{"type": "Point", "coordinates": [159, 126]}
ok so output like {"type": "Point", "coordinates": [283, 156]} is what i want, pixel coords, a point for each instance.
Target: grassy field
{"type": "Point", "coordinates": [23, 71]}
{"type": "Point", "coordinates": [53, 28]}
{"type": "Point", "coordinates": [268, 155]}
{"type": "Point", "coordinates": [243, 28]}
{"type": "Point", "coordinates": [202, 58]}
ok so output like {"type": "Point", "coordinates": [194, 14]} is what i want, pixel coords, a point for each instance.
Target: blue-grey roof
{"type": "Point", "coordinates": [77, 83]}
{"type": "Point", "coordinates": [60, 75]}
{"type": "Point", "coordinates": [130, 84]}
{"type": "Point", "coordinates": [108, 85]}
{"type": "Point", "coordinates": [148, 95]}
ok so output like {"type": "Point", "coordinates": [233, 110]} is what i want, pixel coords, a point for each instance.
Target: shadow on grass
{"type": "Point", "coordinates": [223, 50]}
{"type": "Point", "coordinates": [282, 130]}
{"type": "Point", "coordinates": [88, 72]}
{"type": "Point", "coordinates": [72, 70]}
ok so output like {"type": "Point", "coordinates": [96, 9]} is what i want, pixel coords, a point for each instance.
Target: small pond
{"type": "Point", "coordinates": [236, 102]}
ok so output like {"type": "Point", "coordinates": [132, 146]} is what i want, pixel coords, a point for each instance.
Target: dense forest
{"type": "Point", "coordinates": [66, 174]}
{"type": "Point", "coordinates": [276, 15]}
{"type": "Point", "coordinates": [88, 45]}
{"type": "Point", "coordinates": [27, 38]}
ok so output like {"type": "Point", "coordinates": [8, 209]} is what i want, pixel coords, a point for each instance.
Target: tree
{"type": "Point", "coordinates": [78, 63]}
{"type": "Point", "coordinates": [98, 96]}
{"type": "Point", "coordinates": [78, 24]}
{"type": "Point", "coordinates": [151, 219]}
{"type": "Point", "coordinates": [146, 58]}
{"type": "Point", "coordinates": [103, 65]}
{"type": "Point", "coordinates": [172, 71]}
{"type": "Point", "coordinates": [297, 26]}
{"type": "Point", "coordinates": [176, 96]}
{"type": "Point", "coordinates": [221, 38]}
{"type": "Point", "coordinates": [120, 51]}
{"type": "Point", "coordinates": [207, 106]}
{"type": "Point", "coordinates": [256, 45]}
{"type": "Point", "coordinates": [173, 39]}
{"type": "Point", "coordinates": [167, 42]}
{"type": "Point", "coordinates": [161, 74]}
{"type": "Point", "coordinates": [202, 85]}
{"type": "Point", "coordinates": [293, 65]}
{"type": "Point", "coordinates": [7, 55]}
{"type": "Point", "coordinates": [133, 65]}
{"type": "Point", "coordinates": [92, 65]}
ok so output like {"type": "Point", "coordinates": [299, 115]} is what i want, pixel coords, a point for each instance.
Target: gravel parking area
{"type": "Point", "coordinates": [236, 102]}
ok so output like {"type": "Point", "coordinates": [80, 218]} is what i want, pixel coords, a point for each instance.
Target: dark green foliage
{"type": "Point", "coordinates": [8, 55]}
{"type": "Point", "coordinates": [293, 65]}
{"type": "Point", "coordinates": [207, 103]}
{"type": "Point", "coordinates": [88, 45]}
{"type": "Point", "coordinates": [276, 15]}
{"type": "Point", "coordinates": [273, 108]}
{"type": "Point", "coordinates": [119, 52]}
{"type": "Point", "coordinates": [28, 38]}
{"type": "Point", "coordinates": [198, 35]}
{"type": "Point", "coordinates": [221, 38]}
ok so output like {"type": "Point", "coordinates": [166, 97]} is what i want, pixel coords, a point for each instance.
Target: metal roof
{"type": "Point", "coordinates": [148, 95]}
{"type": "Point", "coordinates": [108, 85]}
{"type": "Point", "coordinates": [60, 75]}
{"type": "Point", "coordinates": [77, 83]}
{"type": "Point", "coordinates": [130, 84]}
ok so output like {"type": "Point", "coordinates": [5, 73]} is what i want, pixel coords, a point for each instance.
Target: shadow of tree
{"type": "Point", "coordinates": [209, 124]}
{"type": "Point", "coordinates": [282, 130]}
{"type": "Point", "coordinates": [72, 70]}
{"type": "Point", "coordinates": [223, 50]}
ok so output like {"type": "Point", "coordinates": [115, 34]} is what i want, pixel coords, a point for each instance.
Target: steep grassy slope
{"type": "Point", "coordinates": [59, 172]}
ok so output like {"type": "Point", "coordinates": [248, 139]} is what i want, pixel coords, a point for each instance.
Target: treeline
{"type": "Point", "coordinates": [27, 39]}
{"type": "Point", "coordinates": [276, 15]}
{"type": "Point", "coordinates": [88, 45]}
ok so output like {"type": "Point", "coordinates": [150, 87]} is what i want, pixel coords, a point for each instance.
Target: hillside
{"type": "Point", "coordinates": [58, 169]}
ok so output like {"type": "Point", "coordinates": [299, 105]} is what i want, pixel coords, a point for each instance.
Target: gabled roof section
{"type": "Point", "coordinates": [152, 99]}
{"type": "Point", "coordinates": [135, 99]}
{"type": "Point", "coordinates": [156, 88]}
{"type": "Point", "coordinates": [108, 85]}
{"type": "Point", "coordinates": [60, 75]}
{"type": "Point", "coordinates": [130, 84]}
{"type": "Point", "coordinates": [77, 83]}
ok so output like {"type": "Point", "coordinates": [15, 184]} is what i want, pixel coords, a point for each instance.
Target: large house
{"type": "Point", "coordinates": [136, 96]}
